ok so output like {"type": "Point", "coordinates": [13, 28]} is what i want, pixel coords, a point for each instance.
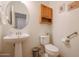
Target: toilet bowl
{"type": "Point", "coordinates": [51, 50]}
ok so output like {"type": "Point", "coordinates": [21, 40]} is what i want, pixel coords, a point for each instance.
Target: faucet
{"type": "Point", "coordinates": [18, 33]}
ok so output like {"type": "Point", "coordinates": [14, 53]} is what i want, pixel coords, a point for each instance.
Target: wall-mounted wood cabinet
{"type": "Point", "coordinates": [46, 14]}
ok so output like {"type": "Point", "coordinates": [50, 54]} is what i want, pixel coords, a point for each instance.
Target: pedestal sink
{"type": "Point", "coordinates": [17, 40]}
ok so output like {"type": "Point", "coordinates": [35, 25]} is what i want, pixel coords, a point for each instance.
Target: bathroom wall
{"type": "Point", "coordinates": [34, 28]}
{"type": "Point", "coordinates": [64, 24]}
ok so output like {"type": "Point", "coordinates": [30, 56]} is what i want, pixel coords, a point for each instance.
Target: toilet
{"type": "Point", "coordinates": [50, 49]}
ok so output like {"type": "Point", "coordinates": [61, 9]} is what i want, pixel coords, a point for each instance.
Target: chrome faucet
{"type": "Point", "coordinates": [18, 33]}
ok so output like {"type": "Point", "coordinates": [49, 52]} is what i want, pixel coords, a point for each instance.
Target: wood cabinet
{"type": "Point", "coordinates": [46, 14]}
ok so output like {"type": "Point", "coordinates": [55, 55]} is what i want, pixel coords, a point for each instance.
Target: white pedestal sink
{"type": "Point", "coordinates": [17, 40]}
{"type": "Point", "coordinates": [18, 49]}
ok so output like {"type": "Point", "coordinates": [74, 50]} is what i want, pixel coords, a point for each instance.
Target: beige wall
{"type": "Point", "coordinates": [64, 24]}
{"type": "Point", "coordinates": [34, 28]}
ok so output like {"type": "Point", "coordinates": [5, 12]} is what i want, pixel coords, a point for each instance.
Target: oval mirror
{"type": "Point", "coordinates": [17, 14]}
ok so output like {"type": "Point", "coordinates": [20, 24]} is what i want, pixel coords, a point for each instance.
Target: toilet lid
{"type": "Point", "coordinates": [51, 48]}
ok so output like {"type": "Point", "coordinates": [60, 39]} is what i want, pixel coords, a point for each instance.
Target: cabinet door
{"type": "Point", "coordinates": [46, 12]}
{"type": "Point", "coordinates": [43, 12]}
{"type": "Point", "coordinates": [49, 13]}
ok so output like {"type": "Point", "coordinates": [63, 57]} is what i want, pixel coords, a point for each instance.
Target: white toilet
{"type": "Point", "coordinates": [50, 49]}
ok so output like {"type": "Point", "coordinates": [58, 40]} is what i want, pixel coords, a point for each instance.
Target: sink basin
{"type": "Point", "coordinates": [15, 38]}
{"type": "Point", "coordinates": [23, 36]}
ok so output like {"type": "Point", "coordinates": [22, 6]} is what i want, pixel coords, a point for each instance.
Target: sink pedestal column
{"type": "Point", "coordinates": [18, 49]}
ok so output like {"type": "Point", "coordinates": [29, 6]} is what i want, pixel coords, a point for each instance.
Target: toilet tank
{"type": "Point", "coordinates": [44, 39]}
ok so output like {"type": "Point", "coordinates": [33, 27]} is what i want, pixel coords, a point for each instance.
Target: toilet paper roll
{"type": "Point", "coordinates": [66, 40]}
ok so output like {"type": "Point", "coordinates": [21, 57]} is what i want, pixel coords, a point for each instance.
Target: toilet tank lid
{"type": "Point", "coordinates": [51, 47]}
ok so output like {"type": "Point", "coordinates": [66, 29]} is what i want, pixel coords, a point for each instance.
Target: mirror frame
{"type": "Point", "coordinates": [8, 17]}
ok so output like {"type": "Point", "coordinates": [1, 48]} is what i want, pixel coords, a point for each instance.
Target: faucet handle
{"type": "Point", "coordinates": [20, 33]}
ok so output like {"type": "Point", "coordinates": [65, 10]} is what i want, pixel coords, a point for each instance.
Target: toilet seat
{"type": "Point", "coordinates": [51, 48]}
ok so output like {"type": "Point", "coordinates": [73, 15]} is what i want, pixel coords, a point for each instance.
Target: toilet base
{"type": "Point", "coordinates": [47, 55]}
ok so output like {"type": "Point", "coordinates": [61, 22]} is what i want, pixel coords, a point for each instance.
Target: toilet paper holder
{"type": "Point", "coordinates": [68, 38]}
